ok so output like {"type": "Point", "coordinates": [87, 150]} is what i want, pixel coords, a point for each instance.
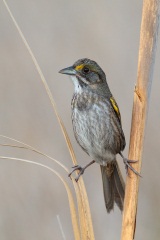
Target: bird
{"type": "Point", "coordinates": [97, 127]}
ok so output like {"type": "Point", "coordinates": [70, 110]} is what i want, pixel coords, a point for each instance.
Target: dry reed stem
{"type": "Point", "coordinates": [82, 199]}
{"type": "Point", "coordinates": [28, 147]}
{"type": "Point", "coordinates": [69, 193]}
{"type": "Point", "coordinates": [147, 50]}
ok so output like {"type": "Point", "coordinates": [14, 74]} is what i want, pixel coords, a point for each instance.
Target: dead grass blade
{"type": "Point", "coordinates": [69, 194]}
{"type": "Point", "coordinates": [82, 199]}
{"type": "Point", "coordinates": [81, 203]}
{"type": "Point", "coordinates": [28, 147]}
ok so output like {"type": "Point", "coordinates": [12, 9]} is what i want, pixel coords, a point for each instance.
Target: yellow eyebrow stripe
{"type": "Point", "coordinates": [79, 67]}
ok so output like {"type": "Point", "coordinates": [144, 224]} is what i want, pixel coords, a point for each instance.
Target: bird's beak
{"type": "Point", "coordinates": [68, 71]}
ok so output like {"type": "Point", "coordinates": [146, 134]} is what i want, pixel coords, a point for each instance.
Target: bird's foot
{"type": "Point", "coordinates": [80, 169]}
{"type": "Point", "coordinates": [128, 166]}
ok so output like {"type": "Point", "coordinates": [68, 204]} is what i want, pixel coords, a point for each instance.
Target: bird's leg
{"type": "Point", "coordinates": [80, 169]}
{"type": "Point", "coordinates": [127, 164]}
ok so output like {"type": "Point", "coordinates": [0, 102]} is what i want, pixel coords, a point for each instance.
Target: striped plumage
{"type": "Point", "coordinates": [97, 125]}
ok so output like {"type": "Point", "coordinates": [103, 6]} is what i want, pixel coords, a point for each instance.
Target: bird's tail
{"type": "Point", "coordinates": [113, 186]}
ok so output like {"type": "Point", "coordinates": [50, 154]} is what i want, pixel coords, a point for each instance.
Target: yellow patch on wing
{"type": "Point", "coordinates": [115, 107]}
{"type": "Point", "coordinates": [79, 67]}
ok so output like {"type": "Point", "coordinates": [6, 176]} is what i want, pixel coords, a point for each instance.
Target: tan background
{"type": "Point", "coordinates": [60, 32]}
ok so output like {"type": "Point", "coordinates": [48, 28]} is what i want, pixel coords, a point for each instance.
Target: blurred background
{"type": "Point", "coordinates": [59, 33]}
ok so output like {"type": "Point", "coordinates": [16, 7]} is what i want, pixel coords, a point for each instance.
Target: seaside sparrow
{"type": "Point", "coordinates": [97, 127]}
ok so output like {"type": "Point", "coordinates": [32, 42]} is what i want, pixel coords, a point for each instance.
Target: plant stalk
{"type": "Point", "coordinates": [146, 59]}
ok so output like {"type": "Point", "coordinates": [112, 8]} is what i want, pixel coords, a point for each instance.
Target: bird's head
{"type": "Point", "coordinates": [86, 73]}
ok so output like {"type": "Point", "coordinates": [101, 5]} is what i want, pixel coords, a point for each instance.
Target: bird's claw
{"type": "Point", "coordinates": [80, 169]}
{"type": "Point", "coordinates": [127, 165]}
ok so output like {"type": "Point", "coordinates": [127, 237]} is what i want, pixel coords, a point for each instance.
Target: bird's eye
{"type": "Point", "coordinates": [86, 70]}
